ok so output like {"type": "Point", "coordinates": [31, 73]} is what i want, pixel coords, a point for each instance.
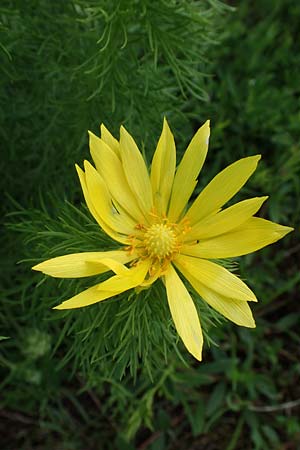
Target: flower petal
{"type": "Point", "coordinates": [102, 202]}
{"type": "Point", "coordinates": [188, 171]}
{"type": "Point", "coordinates": [222, 188]}
{"type": "Point", "coordinates": [108, 288]}
{"type": "Point", "coordinates": [108, 230]}
{"type": "Point", "coordinates": [184, 313]}
{"type": "Point", "coordinates": [226, 220]}
{"type": "Point", "coordinates": [84, 264]}
{"type": "Point", "coordinates": [215, 277]}
{"type": "Point", "coordinates": [110, 168]}
{"type": "Point", "coordinates": [109, 140]}
{"type": "Point", "coordinates": [136, 171]}
{"type": "Point", "coordinates": [132, 278]}
{"type": "Point", "coordinates": [252, 235]}
{"type": "Point", "coordinates": [163, 169]}
{"type": "Point", "coordinates": [237, 311]}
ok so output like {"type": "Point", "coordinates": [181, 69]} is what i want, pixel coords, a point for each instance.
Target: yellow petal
{"type": "Point", "coordinates": [188, 171]}
{"type": "Point", "coordinates": [226, 220]}
{"type": "Point", "coordinates": [109, 140]}
{"type": "Point", "coordinates": [184, 313]}
{"type": "Point", "coordinates": [102, 202]}
{"type": "Point", "coordinates": [108, 230]}
{"type": "Point", "coordinates": [109, 288]}
{"type": "Point", "coordinates": [235, 310]}
{"type": "Point", "coordinates": [163, 169]}
{"type": "Point", "coordinates": [136, 171]}
{"type": "Point", "coordinates": [252, 235]}
{"type": "Point", "coordinates": [85, 298]}
{"type": "Point", "coordinates": [222, 188]}
{"type": "Point", "coordinates": [132, 278]}
{"type": "Point", "coordinates": [84, 264]}
{"type": "Point", "coordinates": [113, 265]}
{"type": "Point", "coordinates": [88, 201]}
{"type": "Point", "coordinates": [110, 168]}
{"type": "Point", "coordinates": [214, 277]}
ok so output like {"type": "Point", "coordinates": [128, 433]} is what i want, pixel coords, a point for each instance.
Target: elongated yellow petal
{"type": "Point", "coordinates": [109, 288]}
{"type": "Point", "coordinates": [222, 188]}
{"type": "Point", "coordinates": [136, 171]}
{"type": "Point", "coordinates": [113, 265]}
{"type": "Point", "coordinates": [226, 220]}
{"type": "Point", "coordinates": [88, 201]}
{"type": "Point", "coordinates": [85, 298]}
{"type": "Point", "coordinates": [237, 311]}
{"type": "Point", "coordinates": [184, 313]}
{"type": "Point", "coordinates": [110, 168]}
{"type": "Point", "coordinates": [102, 202]}
{"type": "Point", "coordinates": [215, 277]}
{"type": "Point", "coordinates": [188, 171]}
{"type": "Point", "coordinates": [84, 264]}
{"type": "Point", "coordinates": [252, 235]}
{"type": "Point", "coordinates": [109, 231]}
{"type": "Point", "coordinates": [163, 169]}
{"type": "Point", "coordinates": [133, 277]}
{"type": "Point", "coordinates": [109, 140]}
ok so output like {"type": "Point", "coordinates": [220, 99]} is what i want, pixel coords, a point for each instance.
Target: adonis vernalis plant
{"type": "Point", "coordinates": [161, 235]}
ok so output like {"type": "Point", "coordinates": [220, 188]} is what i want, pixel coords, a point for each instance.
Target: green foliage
{"type": "Point", "coordinates": [66, 67]}
{"type": "Point", "coordinates": [71, 65]}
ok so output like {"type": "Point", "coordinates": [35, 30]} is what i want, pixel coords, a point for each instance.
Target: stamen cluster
{"type": "Point", "coordinates": [159, 241]}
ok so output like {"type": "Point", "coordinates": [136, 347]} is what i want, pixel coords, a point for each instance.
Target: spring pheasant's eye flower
{"type": "Point", "coordinates": [161, 236]}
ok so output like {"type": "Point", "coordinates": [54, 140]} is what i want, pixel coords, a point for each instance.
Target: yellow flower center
{"type": "Point", "coordinates": [160, 241]}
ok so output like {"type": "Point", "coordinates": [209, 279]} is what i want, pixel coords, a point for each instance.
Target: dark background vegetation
{"type": "Point", "coordinates": [68, 66]}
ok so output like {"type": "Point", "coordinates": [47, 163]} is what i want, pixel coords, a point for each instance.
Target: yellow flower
{"type": "Point", "coordinates": [161, 236]}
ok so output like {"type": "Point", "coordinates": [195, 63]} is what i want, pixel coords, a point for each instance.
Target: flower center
{"type": "Point", "coordinates": [160, 241]}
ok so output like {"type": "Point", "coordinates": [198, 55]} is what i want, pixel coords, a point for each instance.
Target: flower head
{"type": "Point", "coordinates": [161, 235]}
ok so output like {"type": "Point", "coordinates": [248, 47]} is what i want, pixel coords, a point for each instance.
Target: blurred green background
{"type": "Point", "coordinates": [67, 66]}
